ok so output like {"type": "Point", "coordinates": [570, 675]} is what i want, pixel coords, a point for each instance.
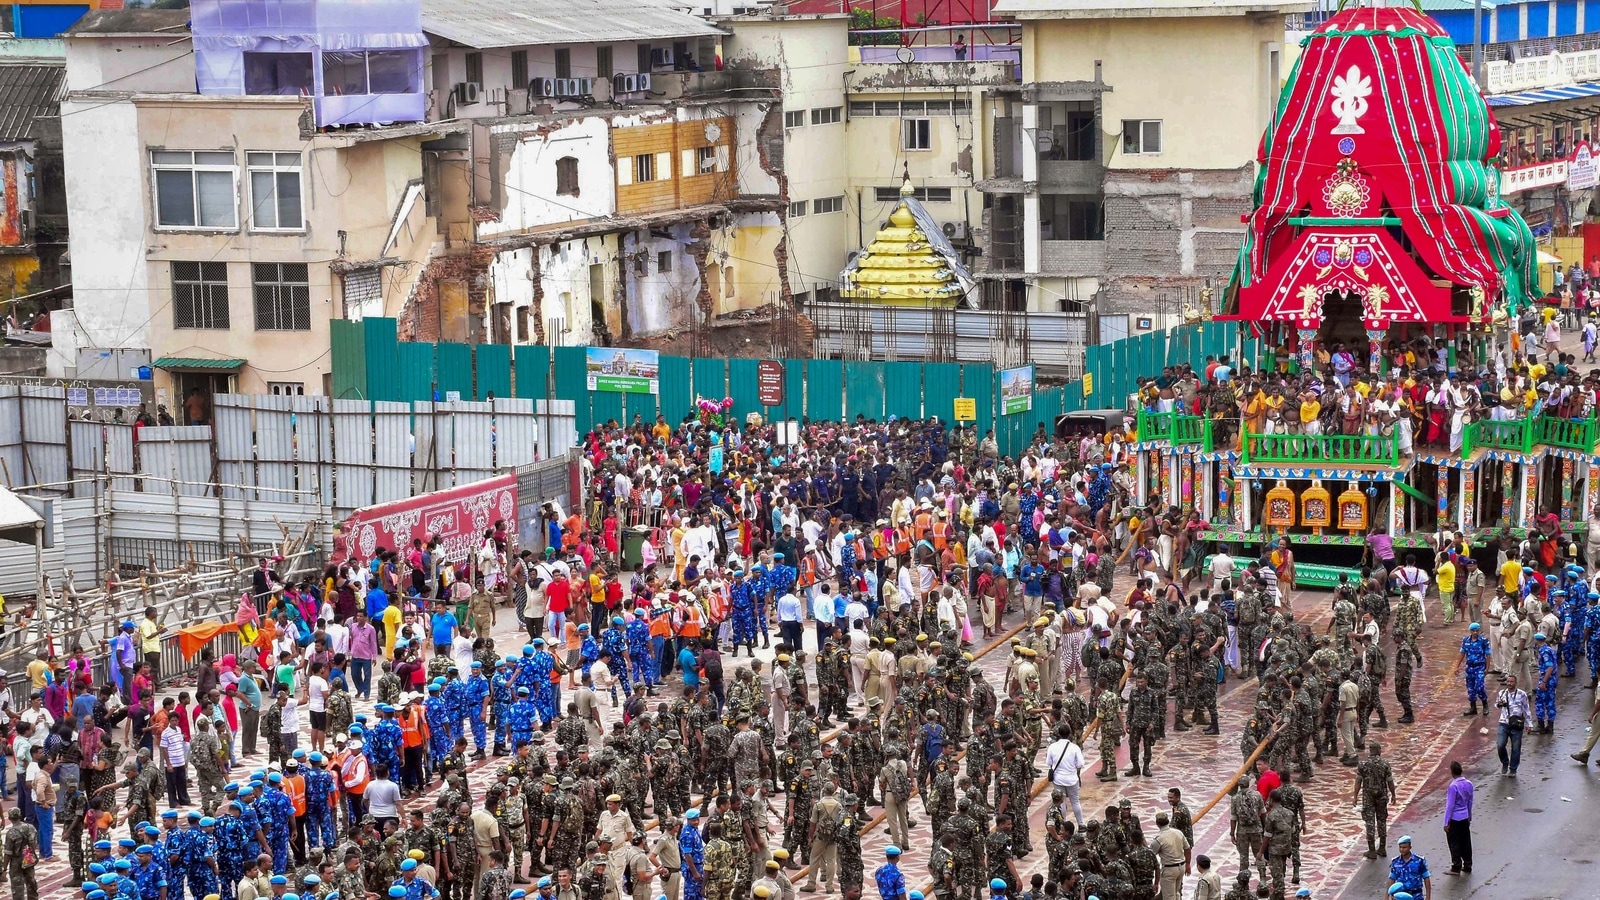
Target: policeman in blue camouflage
{"type": "Point", "coordinates": [172, 850]}
{"type": "Point", "coordinates": [1475, 651]}
{"type": "Point", "coordinates": [761, 589]}
{"type": "Point", "coordinates": [1544, 695]}
{"type": "Point", "coordinates": [641, 661]}
{"type": "Point", "coordinates": [455, 698]}
{"type": "Point", "coordinates": [520, 718]}
{"type": "Point", "coordinates": [319, 805]}
{"type": "Point", "coordinates": [475, 711]}
{"type": "Point", "coordinates": [439, 714]}
{"type": "Point", "coordinates": [205, 866]}
{"type": "Point", "coordinates": [1591, 629]}
{"type": "Point", "coordinates": [743, 612]}
{"type": "Point", "coordinates": [278, 811]}
{"type": "Point", "coordinates": [1571, 614]}
{"type": "Point", "coordinates": [149, 876]}
{"type": "Point", "coordinates": [383, 743]}
{"type": "Point", "coordinates": [232, 846]}
{"type": "Point", "coordinates": [615, 642]}
{"type": "Point", "coordinates": [535, 673]}
{"type": "Point", "coordinates": [503, 693]}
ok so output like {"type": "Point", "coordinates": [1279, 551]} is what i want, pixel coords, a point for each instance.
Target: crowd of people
{"type": "Point", "coordinates": [870, 563]}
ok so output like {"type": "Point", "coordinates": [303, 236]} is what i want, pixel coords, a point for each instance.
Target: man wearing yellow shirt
{"type": "Point", "coordinates": [1511, 577]}
{"type": "Point", "coordinates": [1310, 410]}
{"type": "Point", "coordinates": [392, 618]}
{"type": "Point", "coordinates": [150, 632]}
{"type": "Point", "coordinates": [1444, 575]}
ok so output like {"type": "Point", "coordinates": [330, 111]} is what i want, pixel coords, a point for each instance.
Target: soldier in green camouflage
{"type": "Point", "coordinates": [966, 834]}
{"type": "Point", "coordinates": [1141, 717]}
{"type": "Point", "coordinates": [1404, 666]}
{"type": "Point", "coordinates": [720, 865]}
{"type": "Point", "coordinates": [1375, 789]}
{"type": "Point", "coordinates": [847, 844]}
{"type": "Point", "coordinates": [1109, 708]}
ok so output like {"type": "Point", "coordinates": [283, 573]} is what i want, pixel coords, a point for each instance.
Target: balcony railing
{"type": "Point", "coordinates": [1510, 434]}
{"type": "Point", "coordinates": [1178, 429]}
{"type": "Point", "coordinates": [1313, 449]}
{"type": "Point", "coordinates": [1573, 434]}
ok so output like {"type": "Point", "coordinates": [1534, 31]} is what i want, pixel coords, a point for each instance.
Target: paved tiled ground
{"type": "Point", "coordinates": [1201, 764]}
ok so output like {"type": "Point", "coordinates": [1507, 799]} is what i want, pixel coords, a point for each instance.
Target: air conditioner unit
{"type": "Point", "coordinates": [542, 87]}
{"type": "Point", "coordinates": [468, 93]}
{"type": "Point", "coordinates": [661, 58]}
{"type": "Point", "coordinates": [619, 84]}
{"type": "Point", "coordinates": [644, 81]}
{"type": "Point", "coordinates": [955, 231]}
{"type": "Point", "coordinates": [631, 82]}
{"type": "Point", "coordinates": [585, 86]}
{"type": "Point", "coordinates": [564, 87]}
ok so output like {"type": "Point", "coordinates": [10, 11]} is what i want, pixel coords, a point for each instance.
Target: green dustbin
{"type": "Point", "coordinates": [633, 547]}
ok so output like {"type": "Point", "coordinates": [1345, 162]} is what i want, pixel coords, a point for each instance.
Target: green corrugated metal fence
{"type": "Point", "coordinates": [368, 362]}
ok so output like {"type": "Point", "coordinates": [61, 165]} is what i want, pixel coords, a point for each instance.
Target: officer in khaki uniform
{"type": "Point", "coordinates": [824, 853]}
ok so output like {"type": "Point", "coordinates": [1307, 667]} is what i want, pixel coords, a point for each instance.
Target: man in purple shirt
{"type": "Point", "coordinates": [1458, 821]}
{"type": "Point", "coordinates": [1382, 549]}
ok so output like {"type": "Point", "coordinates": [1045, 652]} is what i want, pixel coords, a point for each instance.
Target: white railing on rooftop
{"type": "Point", "coordinates": [1533, 73]}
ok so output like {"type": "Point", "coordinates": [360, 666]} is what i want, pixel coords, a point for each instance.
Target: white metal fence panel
{"type": "Point", "coordinates": [275, 447]}
{"type": "Point", "coordinates": [144, 515]}
{"type": "Point", "coordinates": [231, 422]}
{"type": "Point", "coordinates": [515, 433]}
{"type": "Point", "coordinates": [391, 430]}
{"type": "Point", "coordinates": [176, 454]}
{"type": "Point", "coordinates": [11, 467]}
{"type": "Point", "coordinates": [44, 431]}
{"type": "Point", "coordinates": [431, 454]}
{"type": "Point", "coordinates": [352, 441]}
{"type": "Point", "coordinates": [474, 439]}
{"type": "Point", "coordinates": [87, 441]}
{"type": "Point", "coordinates": [314, 447]}
{"type": "Point", "coordinates": [78, 535]}
{"type": "Point", "coordinates": [119, 456]}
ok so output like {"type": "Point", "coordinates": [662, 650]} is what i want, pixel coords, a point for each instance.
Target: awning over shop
{"type": "Point", "coordinates": [19, 522]}
{"type": "Point", "coordinates": [198, 364]}
{"type": "Point", "coordinates": [1546, 95]}
{"type": "Point", "coordinates": [1364, 262]}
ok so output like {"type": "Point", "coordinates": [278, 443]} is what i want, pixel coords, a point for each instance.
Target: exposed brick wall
{"type": "Point", "coordinates": [1167, 231]}
{"type": "Point", "coordinates": [419, 321]}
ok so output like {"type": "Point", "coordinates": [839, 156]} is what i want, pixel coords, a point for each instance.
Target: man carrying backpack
{"type": "Point", "coordinates": [895, 781]}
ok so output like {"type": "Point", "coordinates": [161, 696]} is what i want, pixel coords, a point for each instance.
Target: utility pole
{"type": "Point", "coordinates": [1477, 42]}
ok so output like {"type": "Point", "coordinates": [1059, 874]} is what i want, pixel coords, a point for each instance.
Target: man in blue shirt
{"type": "Point", "coordinates": [891, 883]}
{"type": "Point", "coordinates": [689, 666]}
{"type": "Point", "coordinates": [1032, 577]}
{"type": "Point", "coordinates": [1411, 872]}
{"type": "Point", "coordinates": [443, 625]}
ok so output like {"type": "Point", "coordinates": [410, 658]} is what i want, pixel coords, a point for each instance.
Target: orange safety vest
{"type": "Point", "coordinates": [413, 727]}
{"type": "Point", "coordinates": [902, 540]}
{"type": "Point", "coordinates": [661, 626]}
{"type": "Point", "coordinates": [808, 571]}
{"type": "Point", "coordinates": [941, 535]}
{"type": "Point", "coordinates": [880, 546]}
{"type": "Point", "coordinates": [924, 523]}
{"type": "Point", "coordinates": [354, 773]}
{"type": "Point", "coordinates": [691, 621]}
{"type": "Point", "coordinates": [295, 787]}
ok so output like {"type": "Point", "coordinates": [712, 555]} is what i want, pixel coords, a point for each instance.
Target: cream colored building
{"type": "Point", "coordinates": [222, 233]}
{"type": "Point", "coordinates": [1129, 149]}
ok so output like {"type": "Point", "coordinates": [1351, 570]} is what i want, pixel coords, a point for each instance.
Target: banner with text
{"type": "Point", "coordinates": [624, 371]}
{"type": "Point", "coordinates": [458, 516]}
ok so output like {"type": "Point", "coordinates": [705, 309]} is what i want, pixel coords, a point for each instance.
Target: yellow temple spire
{"type": "Point", "coordinates": [901, 267]}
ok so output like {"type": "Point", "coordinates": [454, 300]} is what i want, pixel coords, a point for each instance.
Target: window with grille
{"type": "Point", "coordinates": [196, 188]}
{"type": "Point", "coordinates": [286, 388]}
{"type": "Point", "coordinates": [644, 168]}
{"type": "Point", "coordinates": [825, 115]}
{"type": "Point", "coordinates": [926, 195]}
{"type": "Point", "coordinates": [823, 205]}
{"type": "Point", "coordinates": [274, 191]}
{"type": "Point", "coordinates": [282, 296]}
{"type": "Point", "coordinates": [794, 118]}
{"type": "Point", "coordinates": [361, 287]}
{"type": "Point", "coordinates": [797, 208]}
{"type": "Point", "coordinates": [200, 295]}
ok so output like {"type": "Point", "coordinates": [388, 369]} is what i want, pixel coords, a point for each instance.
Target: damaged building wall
{"type": "Point", "coordinates": [1169, 231]}
{"type": "Point", "coordinates": [661, 280]}
{"type": "Point", "coordinates": [529, 158]}
{"type": "Point", "coordinates": [558, 285]}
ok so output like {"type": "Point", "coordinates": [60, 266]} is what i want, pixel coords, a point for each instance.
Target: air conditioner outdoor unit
{"type": "Point", "coordinates": [468, 93]}
{"type": "Point", "coordinates": [661, 58]}
{"type": "Point", "coordinates": [565, 87]}
{"type": "Point", "coordinates": [955, 231]}
{"type": "Point", "coordinates": [585, 86]}
{"type": "Point", "coordinates": [644, 81]}
{"type": "Point", "coordinates": [542, 87]}
{"type": "Point", "coordinates": [619, 84]}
